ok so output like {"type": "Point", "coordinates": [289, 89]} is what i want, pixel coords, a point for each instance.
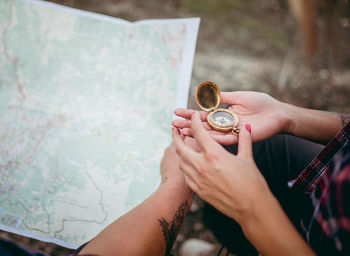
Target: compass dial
{"type": "Point", "coordinates": [222, 118]}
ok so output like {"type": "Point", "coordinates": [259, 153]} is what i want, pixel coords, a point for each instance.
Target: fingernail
{"type": "Point", "coordinates": [172, 129]}
{"type": "Point", "coordinates": [193, 113]}
{"type": "Point", "coordinates": [248, 128]}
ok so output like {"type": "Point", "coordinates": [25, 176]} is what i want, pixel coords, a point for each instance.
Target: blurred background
{"type": "Point", "coordinates": [298, 51]}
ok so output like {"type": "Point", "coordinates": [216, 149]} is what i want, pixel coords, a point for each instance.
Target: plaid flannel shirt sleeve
{"type": "Point", "coordinates": [327, 181]}
{"type": "Point", "coordinates": [308, 179]}
{"type": "Point", "coordinates": [331, 201]}
{"type": "Point", "coordinates": [340, 192]}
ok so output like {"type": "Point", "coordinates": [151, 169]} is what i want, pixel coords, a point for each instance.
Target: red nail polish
{"type": "Point", "coordinates": [248, 128]}
{"type": "Point", "coordinates": [172, 129]}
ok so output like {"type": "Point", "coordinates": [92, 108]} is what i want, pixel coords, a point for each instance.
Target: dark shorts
{"type": "Point", "coordinates": [280, 159]}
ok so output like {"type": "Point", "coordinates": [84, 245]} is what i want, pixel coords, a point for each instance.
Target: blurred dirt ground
{"type": "Point", "coordinates": [244, 45]}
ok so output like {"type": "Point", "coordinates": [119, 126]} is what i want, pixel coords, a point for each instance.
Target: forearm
{"type": "Point", "coordinates": [271, 232]}
{"type": "Point", "coordinates": [148, 229]}
{"type": "Point", "coordinates": [315, 125]}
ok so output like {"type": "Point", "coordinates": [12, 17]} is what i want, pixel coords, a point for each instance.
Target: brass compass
{"type": "Point", "coordinates": [219, 119]}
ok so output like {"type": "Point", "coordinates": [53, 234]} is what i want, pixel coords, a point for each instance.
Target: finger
{"type": "Point", "coordinates": [190, 182]}
{"type": "Point", "coordinates": [186, 165]}
{"type": "Point", "coordinates": [185, 152]}
{"type": "Point", "coordinates": [206, 143]}
{"type": "Point", "coordinates": [230, 98]}
{"type": "Point", "coordinates": [187, 113]}
{"type": "Point", "coordinates": [245, 143]}
{"type": "Point", "coordinates": [187, 132]}
{"type": "Point", "coordinates": [189, 170]}
{"type": "Point", "coordinates": [192, 143]}
{"type": "Point", "coordinates": [221, 138]}
{"type": "Point", "coordinates": [180, 123]}
{"type": "Point", "coordinates": [225, 139]}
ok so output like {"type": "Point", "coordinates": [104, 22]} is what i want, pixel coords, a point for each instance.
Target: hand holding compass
{"type": "Point", "coordinates": [266, 115]}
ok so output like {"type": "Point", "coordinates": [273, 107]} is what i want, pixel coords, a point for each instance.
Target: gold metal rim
{"type": "Point", "coordinates": [222, 128]}
{"type": "Point", "coordinates": [218, 96]}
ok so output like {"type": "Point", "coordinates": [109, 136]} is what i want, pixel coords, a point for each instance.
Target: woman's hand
{"type": "Point", "coordinates": [267, 115]}
{"type": "Point", "coordinates": [231, 183]}
{"type": "Point", "coordinates": [234, 185]}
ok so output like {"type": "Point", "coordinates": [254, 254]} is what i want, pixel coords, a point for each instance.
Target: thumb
{"type": "Point", "coordinates": [245, 143]}
{"type": "Point", "coordinates": [230, 98]}
{"type": "Point", "coordinates": [202, 137]}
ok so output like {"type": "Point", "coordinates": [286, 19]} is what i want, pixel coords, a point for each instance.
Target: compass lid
{"type": "Point", "coordinates": [208, 96]}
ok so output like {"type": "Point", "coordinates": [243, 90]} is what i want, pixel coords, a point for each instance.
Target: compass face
{"type": "Point", "coordinates": [222, 118]}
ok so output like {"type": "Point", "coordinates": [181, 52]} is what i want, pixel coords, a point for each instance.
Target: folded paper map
{"type": "Point", "coordinates": [86, 105]}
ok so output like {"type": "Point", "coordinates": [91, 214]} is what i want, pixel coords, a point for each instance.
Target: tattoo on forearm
{"type": "Point", "coordinates": [170, 229]}
{"type": "Point", "coordinates": [345, 118]}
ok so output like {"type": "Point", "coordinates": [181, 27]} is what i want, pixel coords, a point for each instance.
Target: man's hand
{"type": "Point", "coordinates": [267, 115]}
{"type": "Point", "coordinates": [150, 228]}
{"type": "Point", "coordinates": [169, 166]}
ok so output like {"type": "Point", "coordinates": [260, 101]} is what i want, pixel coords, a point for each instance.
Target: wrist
{"type": "Point", "coordinates": [289, 118]}
{"type": "Point", "coordinates": [176, 186]}
{"type": "Point", "coordinates": [259, 214]}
